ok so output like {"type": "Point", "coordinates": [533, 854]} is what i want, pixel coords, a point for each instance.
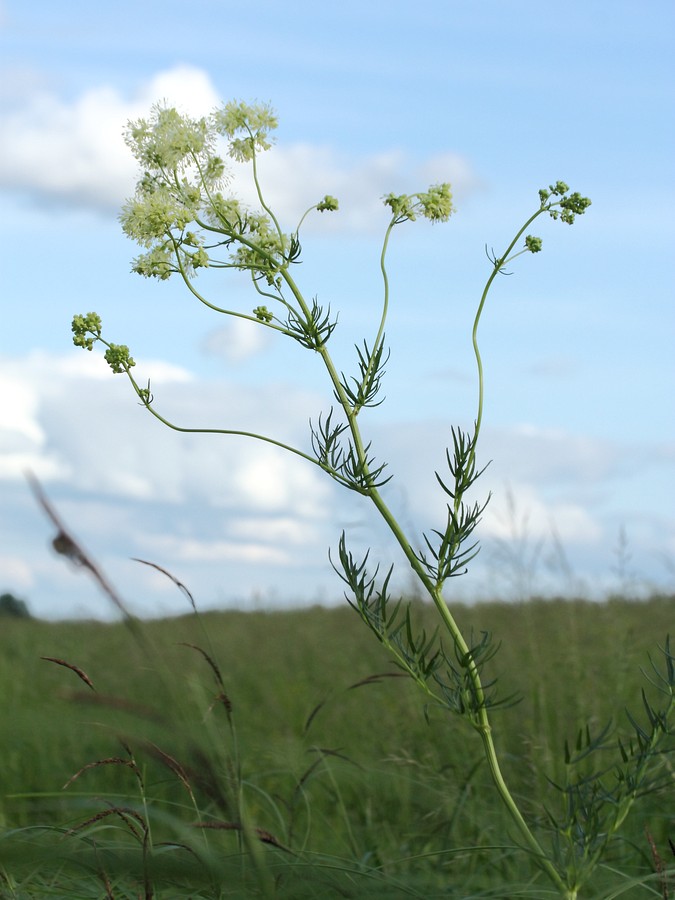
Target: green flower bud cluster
{"type": "Point", "coordinates": [557, 190]}
{"type": "Point", "coordinates": [199, 259]}
{"type": "Point", "coordinates": [86, 330]}
{"type": "Point", "coordinates": [402, 206]}
{"type": "Point", "coordinates": [263, 314]}
{"type": "Point", "coordinates": [269, 252]}
{"type": "Point", "coordinates": [434, 204]}
{"type": "Point", "coordinates": [568, 206]}
{"type": "Point", "coordinates": [118, 358]}
{"type": "Point", "coordinates": [437, 203]}
{"type": "Point", "coordinates": [327, 204]}
{"type": "Point", "coordinates": [158, 263]}
{"type": "Point", "coordinates": [574, 205]}
{"type": "Point", "coordinates": [533, 244]}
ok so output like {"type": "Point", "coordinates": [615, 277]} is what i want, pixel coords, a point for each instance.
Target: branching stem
{"type": "Point", "coordinates": [158, 217]}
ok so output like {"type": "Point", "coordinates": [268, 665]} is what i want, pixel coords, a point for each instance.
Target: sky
{"type": "Point", "coordinates": [499, 99]}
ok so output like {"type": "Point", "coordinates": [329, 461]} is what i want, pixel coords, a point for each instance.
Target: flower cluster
{"type": "Point", "coordinates": [568, 206]}
{"type": "Point", "coordinates": [158, 263]}
{"type": "Point", "coordinates": [118, 358]}
{"type": "Point", "coordinates": [263, 314]}
{"type": "Point", "coordinates": [328, 203]}
{"type": "Point", "coordinates": [86, 330]}
{"type": "Point", "coordinates": [437, 203]}
{"type": "Point", "coordinates": [181, 170]}
{"type": "Point", "coordinates": [246, 127]}
{"type": "Point", "coordinates": [434, 204]}
{"type": "Point", "coordinates": [533, 244]}
{"type": "Point", "coordinates": [153, 215]}
{"type": "Point", "coordinates": [168, 141]}
{"type": "Point", "coordinates": [178, 203]}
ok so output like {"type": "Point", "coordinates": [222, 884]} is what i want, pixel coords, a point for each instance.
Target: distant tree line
{"type": "Point", "coordinates": [12, 606]}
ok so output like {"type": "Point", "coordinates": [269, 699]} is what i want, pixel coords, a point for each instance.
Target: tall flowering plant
{"type": "Point", "coordinates": [185, 221]}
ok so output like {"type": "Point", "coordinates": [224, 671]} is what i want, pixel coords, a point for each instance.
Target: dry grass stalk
{"type": "Point", "coordinates": [108, 761]}
{"type": "Point", "coordinates": [263, 836]}
{"type": "Point", "coordinates": [81, 674]}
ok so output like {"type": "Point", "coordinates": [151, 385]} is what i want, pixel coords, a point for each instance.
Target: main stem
{"type": "Point", "coordinates": [480, 721]}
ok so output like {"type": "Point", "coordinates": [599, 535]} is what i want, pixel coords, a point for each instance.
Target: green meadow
{"type": "Point", "coordinates": [282, 754]}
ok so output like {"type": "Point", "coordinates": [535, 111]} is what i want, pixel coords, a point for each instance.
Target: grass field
{"type": "Point", "coordinates": [302, 775]}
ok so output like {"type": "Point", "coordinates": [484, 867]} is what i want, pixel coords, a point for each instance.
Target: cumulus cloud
{"type": "Point", "coordinates": [571, 522]}
{"type": "Point", "coordinates": [234, 518]}
{"type": "Point", "coordinates": [272, 529]}
{"type": "Point", "coordinates": [546, 466]}
{"type": "Point", "coordinates": [16, 572]}
{"type": "Point", "coordinates": [547, 486]}
{"type": "Point", "coordinates": [90, 429]}
{"type": "Point", "coordinates": [237, 341]}
{"type": "Point", "coordinates": [18, 424]}
{"type": "Point", "coordinates": [196, 551]}
{"type": "Point", "coordinates": [298, 176]}
{"type": "Point", "coordinates": [71, 152]}
{"type": "Point", "coordinates": [223, 508]}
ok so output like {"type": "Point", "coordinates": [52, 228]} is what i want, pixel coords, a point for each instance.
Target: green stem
{"type": "Point", "coordinates": [260, 194]}
{"type": "Point", "coordinates": [385, 307]}
{"type": "Point", "coordinates": [145, 400]}
{"type": "Point", "coordinates": [385, 281]}
{"type": "Point", "coordinates": [481, 721]}
{"type": "Point", "coordinates": [498, 264]}
{"type": "Point", "coordinates": [228, 312]}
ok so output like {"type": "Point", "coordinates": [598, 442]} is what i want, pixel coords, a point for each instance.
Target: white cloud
{"type": "Point", "coordinates": [71, 424]}
{"type": "Point", "coordinates": [296, 177]}
{"type": "Point", "coordinates": [538, 517]}
{"type": "Point", "coordinates": [219, 507]}
{"type": "Point", "coordinates": [44, 427]}
{"type": "Point", "coordinates": [18, 413]}
{"type": "Point", "coordinates": [572, 488]}
{"type": "Point", "coordinates": [232, 517]}
{"type": "Point", "coordinates": [542, 455]}
{"type": "Point", "coordinates": [270, 529]}
{"type": "Point", "coordinates": [16, 572]}
{"type": "Point", "coordinates": [92, 366]}
{"type": "Point", "coordinates": [237, 341]}
{"type": "Point", "coordinates": [194, 551]}
{"type": "Point", "coordinates": [72, 153]}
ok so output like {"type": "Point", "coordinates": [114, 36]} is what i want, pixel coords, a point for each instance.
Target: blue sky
{"type": "Point", "coordinates": [500, 99]}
